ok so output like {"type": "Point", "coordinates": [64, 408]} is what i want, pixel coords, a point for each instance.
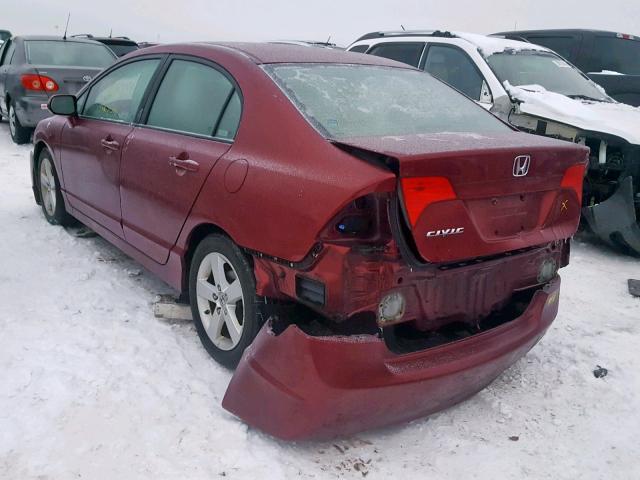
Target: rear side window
{"type": "Point", "coordinates": [617, 55]}
{"type": "Point", "coordinates": [564, 46]}
{"type": "Point", "coordinates": [192, 98]}
{"type": "Point", "coordinates": [455, 68]}
{"type": "Point", "coordinates": [66, 53]}
{"type": "Point", "coordinates": [359, 48]}
{"type": "Point", "coordinates": [402, 52]}
{"type": "Point", "coordinates": [117, 96]}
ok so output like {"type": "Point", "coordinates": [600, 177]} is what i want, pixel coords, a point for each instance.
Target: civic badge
{"type": "Point", "coordinates": [521, 165]}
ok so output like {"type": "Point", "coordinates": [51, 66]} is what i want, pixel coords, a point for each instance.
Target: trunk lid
{"type": "Point", "coordinates": [466, 196]}
{"type": "Point", "coordinates": [69, 79]}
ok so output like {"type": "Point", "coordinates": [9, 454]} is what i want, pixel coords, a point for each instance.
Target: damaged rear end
{"type": "Point", "coordinates": [611, 205]}
{"type": "Point", "coordinates": [416, 296]}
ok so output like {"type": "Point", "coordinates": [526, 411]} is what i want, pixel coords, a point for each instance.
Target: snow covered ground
{"type": "Point", "coordinates": [92, 386]}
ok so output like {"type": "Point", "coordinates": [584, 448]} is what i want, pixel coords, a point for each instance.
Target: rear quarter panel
{"type": "Point", "coordinates": [295, 182]}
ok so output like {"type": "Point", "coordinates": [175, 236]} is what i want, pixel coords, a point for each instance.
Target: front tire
{"type": "Point", "coordinates": [224, 304]}
{"type": "Point", "coordinates": [50, 194]}
{"type": "Point", "coordinates": [19, 134]}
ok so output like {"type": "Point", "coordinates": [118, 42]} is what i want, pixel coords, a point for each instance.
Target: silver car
{"type": "Point", "coordinates": [34, 68]}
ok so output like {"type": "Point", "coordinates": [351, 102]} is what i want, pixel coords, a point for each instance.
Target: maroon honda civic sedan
{"type": "Point", "coordinates": [364, 243]}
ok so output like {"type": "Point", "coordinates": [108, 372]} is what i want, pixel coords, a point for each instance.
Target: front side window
{"type": "Point", "coordinates": [344, 101]}
{"type": "Point", "coordinates": [67, 53]}
{"type": "Point", "coordinates": [192, 98]}
{"type": "Point", "coordinates": [535, 68]}
{"type": "Point", "coordinates": [408, 53]}
{"type": "Point", "coordinates": [455, 68]}
{"type": "Point", "coordinates": [118, 95]}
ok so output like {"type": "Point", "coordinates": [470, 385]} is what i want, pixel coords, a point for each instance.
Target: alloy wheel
{"type": "Point", "coordinates": [47, 186]}
{"type": "Point", "coordinates": [220, 301]}
{"type": "Point", "coordinates": [12, 121]}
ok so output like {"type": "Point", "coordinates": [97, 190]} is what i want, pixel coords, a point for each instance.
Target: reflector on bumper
{"type": "Point", "coordinates": [297, 386]}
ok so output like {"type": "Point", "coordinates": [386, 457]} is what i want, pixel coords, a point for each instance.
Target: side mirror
{"type": "Point", "coordinates": [63, 105]}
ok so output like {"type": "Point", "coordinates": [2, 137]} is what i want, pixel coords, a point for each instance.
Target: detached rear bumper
{"type": "Point", "coordinates": [614, 220]}
{"type": "Point", "coordinates": [295, 386]}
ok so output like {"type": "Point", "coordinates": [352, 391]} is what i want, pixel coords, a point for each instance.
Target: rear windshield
{"type": "Point", "coordinates": [616, 55]}
{"type": "Point", "coordinates": [122, 49]}
{"type": "Point", "coordinates": [67, 53]}
{"type": "Point", "coordinates": [361, 100]}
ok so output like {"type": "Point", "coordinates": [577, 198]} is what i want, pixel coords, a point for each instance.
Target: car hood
{"type": "Point", "coordinates": [613, 118]}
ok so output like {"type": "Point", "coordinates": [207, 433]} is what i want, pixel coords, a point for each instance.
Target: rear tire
{"type": "Point", "coordinates": [19, 134]}
{"type": "Point", "coordinates": [224, 304]}
{"type": "Point", "coordinates": [51, 198]}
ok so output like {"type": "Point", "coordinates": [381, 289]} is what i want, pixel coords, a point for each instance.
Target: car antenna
{"type": "Point", "coordinates": [110, 32]}
{"type": "Point", "coordinates": [329, 40]}
{"type": "Point", "coordinates": [402, 26]}
{"type": "Point", "coordinates": [64, 37]}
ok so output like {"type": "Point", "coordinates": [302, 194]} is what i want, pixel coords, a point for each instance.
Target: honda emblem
{"type": "Point", "coordinates": [521, 165]}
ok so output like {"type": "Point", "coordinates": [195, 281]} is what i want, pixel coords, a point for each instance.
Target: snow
{"type": "Point", "coordinates": [488, 45]}
{"type": "Point", "coordinates": [606, 72]}
{"type": "Point", "coordinates": [613, 118]}
{"type": "Point", "coordinates": [94, 387]}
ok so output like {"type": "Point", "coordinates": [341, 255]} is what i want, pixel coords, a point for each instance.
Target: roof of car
{"type": "Point", "coordinates": [53, 37]}
{"type": "Point", "coordinates": [487, 44]}
{"type": "Point", "coordinates": [263, 53]}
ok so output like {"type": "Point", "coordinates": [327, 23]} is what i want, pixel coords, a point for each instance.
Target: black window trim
{"type": "Point", "coordinates": [151, 94]}
{"type": "Point", "coordinates": [86, 90]}
{"type": "Point", "coordinates": [423, 63]}
{"type": "Point", "coordinates": [408, 42]}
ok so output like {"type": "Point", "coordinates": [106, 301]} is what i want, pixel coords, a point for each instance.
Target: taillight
{"type": "Point", "coordinates": [363, 219]}
{"type": "Point", "coordinates": [39, 83]}
{"type": "Point", "coordinates": [420, 192]}
{"type": "Point", "coordinates": [573, 180]}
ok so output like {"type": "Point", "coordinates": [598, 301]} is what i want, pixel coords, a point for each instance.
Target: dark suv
{"type": "Point", "coordinates": [33, 68]}
{"type": "Point", "coordinates": [611, 59]}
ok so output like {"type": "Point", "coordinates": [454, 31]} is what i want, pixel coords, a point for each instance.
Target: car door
{"type": "Point", "coordinates": [189, 123]}
{"type": "Point", "coordinates": [91, 144]}
{"type": "Point", "coordinates": [453, 66]}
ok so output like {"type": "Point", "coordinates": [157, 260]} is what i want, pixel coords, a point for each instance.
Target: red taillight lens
{"type": "Point", "coordinates": [39, 83]}
{"type": "Point", "coordinates": [420, 192]}
{"type": "Point", "coordinates": [573, 179]}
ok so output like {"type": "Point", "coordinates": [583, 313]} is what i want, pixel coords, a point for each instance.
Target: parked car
{"type": "Point", "coordinates": [403, 242]}
{"type": "Point", "coordinates": [611, 59]}
{"type": "Point", "coordinates": [118, 45]}
{"type": "Point", "coordinates": [33, 68]}
{"type": "Point", "coordinates": [537, 91]}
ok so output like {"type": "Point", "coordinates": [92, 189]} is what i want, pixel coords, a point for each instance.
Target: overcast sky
{"type": "Point", "coordinates": [344, 20]}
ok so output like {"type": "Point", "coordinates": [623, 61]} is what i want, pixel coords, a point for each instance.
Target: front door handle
{"type": "Point", "coordinates": [109, 144]}
{"type": "Point", "coordinates": [188, 165]}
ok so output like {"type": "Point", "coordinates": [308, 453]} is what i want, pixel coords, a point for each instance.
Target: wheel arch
{"type": "Point", "coordinates": [38, 148]}
{"type": "Point", "coordinates": [197, 234]}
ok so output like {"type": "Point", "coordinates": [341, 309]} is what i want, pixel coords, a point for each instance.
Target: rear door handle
{"type": "Point", "coordinates": [188, 165]}
{"type": "Point", "coordinates": [108, 144]}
